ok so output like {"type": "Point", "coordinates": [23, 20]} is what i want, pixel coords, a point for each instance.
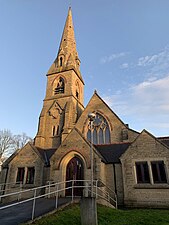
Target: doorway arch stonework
{"type": "Point", "coordinates": [66, 160]}
{"type": "Point", "coordinates": [74, 176]}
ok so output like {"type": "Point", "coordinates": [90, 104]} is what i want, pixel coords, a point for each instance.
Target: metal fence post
{"type": "Point", "coordinates": [56, 203]}
{"type": "Point", "coordinates": [116, 200]}
{"type": "Point", "coordinates": [20, 189]}
{"type": "Point", "coordinates": [1, 191]}
{"type": "Point", "coordinates": [49, 190]}
{"type": "Point", "coordinates": [72, 190]}
{"type": "Point", "coordinates": [33, 208]}
{"type": "Point", "coordinates": [96, 188]}
{"type": "Point", "coordinates": [108, 197]}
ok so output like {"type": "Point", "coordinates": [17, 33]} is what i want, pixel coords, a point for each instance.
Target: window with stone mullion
{"type": "Point", "coordinates": [100, 131]}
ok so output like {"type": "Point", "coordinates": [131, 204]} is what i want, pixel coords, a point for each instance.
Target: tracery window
{"type": "Point", "coordinates": [100, 130]}
{"type": "Point", "coordinates": [60, 86]}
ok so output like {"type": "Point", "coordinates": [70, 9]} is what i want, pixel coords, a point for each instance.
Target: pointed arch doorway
{"type": "Point", "coordinates": [74, 171]}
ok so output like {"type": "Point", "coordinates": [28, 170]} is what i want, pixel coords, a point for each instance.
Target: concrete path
{"type": "Point", "coordinates": [22, 213]}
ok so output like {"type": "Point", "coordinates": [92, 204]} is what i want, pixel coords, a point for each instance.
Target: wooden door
{"type": "Point", "coordinates": [74, 171]}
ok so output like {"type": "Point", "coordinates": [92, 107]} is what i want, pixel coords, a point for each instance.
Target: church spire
{"type": "Point", "coordinates": [68, 43]}
{"type": "Point", "coordinates": [67, 57]}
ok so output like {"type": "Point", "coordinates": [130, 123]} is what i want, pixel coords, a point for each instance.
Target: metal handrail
{"type": "Point", "coordinates": [110, 190]}
{"type": "Point", "coordinates": [20, 184]}
{"type": "Point", "coordinates": [58, 188]}
{"type": "Point", "coordinates": [10, 183]}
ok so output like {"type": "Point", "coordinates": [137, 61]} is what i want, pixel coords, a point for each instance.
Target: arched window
{"type": "Point", "coordinates": [61, 61]}
{"type": "Point", "coordinates": [77, 90]}
{"type": "Point", "coordinates": [55, 130]}
{"type": "Point", "coordinates": [77, 94]}
{"type": "Point", "coordinates": [100, 131]}
{"type": "Point", "coordinates": [60, 86]}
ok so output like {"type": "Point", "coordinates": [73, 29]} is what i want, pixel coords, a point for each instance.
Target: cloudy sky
{"type": "Point", "coordinates": [124, 52]}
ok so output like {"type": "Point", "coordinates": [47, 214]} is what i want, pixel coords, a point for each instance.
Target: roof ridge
{"type": "Point", "coordinates": [115, 143]}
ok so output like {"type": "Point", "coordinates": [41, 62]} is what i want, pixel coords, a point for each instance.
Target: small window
{"type": "Point", "coordinates": [61, 61]}
{"type": "Point", "coordinates": [20, 175]}
{"type": "Point", "coordinates": [53, 131]}
{"type": "Point", "coordinates": [57, 132]}
{"type": "Point", "coordinates": [60, 86]}
{"type": "Point", "coordinates": [30, 175]}
{"type": "Point", "coordinates": [125, 134]}
{"type": "Point", "coordinates": [77, 94]}
{"type": "Point", "coordinates": [158, 171]}
{"type": "Point", "coordinates": [142, 172]}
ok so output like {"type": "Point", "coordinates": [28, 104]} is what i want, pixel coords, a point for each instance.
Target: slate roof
{"type": "Point", "coordinates": [46, 154]}
{"type": "Point", "coordinates": [112, 152]}
{"type": "Point", "coordinates": [164, 140]}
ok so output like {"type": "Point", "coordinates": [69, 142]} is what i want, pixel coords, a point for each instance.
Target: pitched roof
{"type": "Point", "coordinates": [164, 140]}
{"type": "Point", "coordinates": [112, 152]}
{"type": "Point", "coordinates": [46, 154]}
{"type": "Point", "coordinates": [5, 164]}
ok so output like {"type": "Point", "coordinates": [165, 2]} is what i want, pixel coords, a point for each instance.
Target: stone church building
{"type": "Point", "coordinates": [135, 165]}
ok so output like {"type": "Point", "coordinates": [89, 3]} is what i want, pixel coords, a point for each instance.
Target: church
{"type": "Point", "coordinates": [135, 165]}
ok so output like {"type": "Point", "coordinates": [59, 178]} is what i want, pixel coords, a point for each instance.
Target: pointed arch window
{"type": "Point", "coordinates": [55, 130]}
{"type": "Point", "coordinates": [77, 90]}
{"type": "Point", "coordinates": [100, 131]}
{"type": "Point", "coordinates": [60, 88]}
{"type": "Point", "coordinates": [61, 61]}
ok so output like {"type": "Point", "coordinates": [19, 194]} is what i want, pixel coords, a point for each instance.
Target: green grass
{"type": "Point", "coordinates": [107, 216]}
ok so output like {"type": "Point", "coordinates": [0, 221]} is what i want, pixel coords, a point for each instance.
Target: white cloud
{"type": "Point", "coordinates": [155, 64]}
{"type": "Point", "coordinates": [108, 59]}
{"type": "Point", "coordinates": [148, 60]}
{"type": "Point", "coordinates": [146, 103]}
{"type": "Point", "coordinates": [124, 66]}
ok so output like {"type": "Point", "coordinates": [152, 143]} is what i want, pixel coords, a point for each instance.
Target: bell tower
{"type": "Point", "coordinates": [63, 103]}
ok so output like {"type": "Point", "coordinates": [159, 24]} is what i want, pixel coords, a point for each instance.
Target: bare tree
{"type": "Point", "coordinates": [20, 140]}
{"type": "Point", "coordinates": [6, 141]}
{"type": "Point", "coordinates": [9, 143]}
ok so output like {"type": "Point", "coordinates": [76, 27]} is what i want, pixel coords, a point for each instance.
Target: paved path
{"type": "Point", "coordinates": [21, 213]}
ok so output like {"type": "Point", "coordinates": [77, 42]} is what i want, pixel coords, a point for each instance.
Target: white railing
{"type": "Point", "coordinates": [54, 189]}
{"type": "Point", "coordinates": [5, 187]}
{"type": "Point", "coordinates": [8, 186]}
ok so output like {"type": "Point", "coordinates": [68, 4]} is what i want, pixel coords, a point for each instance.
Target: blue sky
{"type": "Point", "coordinates": [124, 52]}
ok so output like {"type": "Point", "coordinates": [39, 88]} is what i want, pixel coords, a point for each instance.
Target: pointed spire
{"type": "Point", "coordinates": [68, 43]}
{"type": "Point", "coordinates": [67, 56]}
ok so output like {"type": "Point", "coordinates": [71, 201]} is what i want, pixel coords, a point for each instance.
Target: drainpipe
{"type": "Point", "coordinates": [115, 184]}
{"type": "Point", "coordinates": [6, 175]}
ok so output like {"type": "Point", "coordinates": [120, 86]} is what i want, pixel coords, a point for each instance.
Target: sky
{"type": "Point", "coordinates": [124, 50]}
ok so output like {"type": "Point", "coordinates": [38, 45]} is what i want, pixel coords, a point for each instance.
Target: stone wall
{"type": "Point", "coordinates": [26, 157]}
{"type": "Point", "coordinates": [145, 148]}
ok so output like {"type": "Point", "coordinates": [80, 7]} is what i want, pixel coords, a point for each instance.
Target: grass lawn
{"type": "Point", "coordinates": [107, 216]}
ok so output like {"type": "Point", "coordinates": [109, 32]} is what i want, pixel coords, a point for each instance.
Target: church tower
{"type": "Point", "coordinates": [63, 103]}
